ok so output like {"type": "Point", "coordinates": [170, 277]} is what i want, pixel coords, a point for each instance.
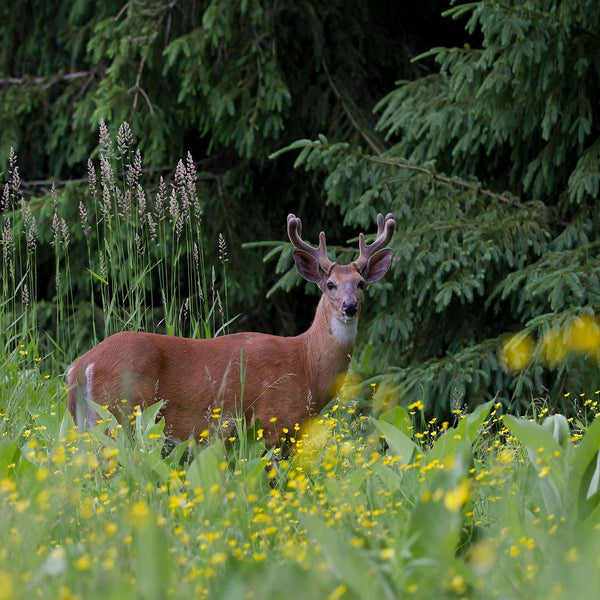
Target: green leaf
{"type": "Point", "coordinates": [585, 474]}
{"type": "Point", "coordinates": [390, 478]}
{"type": "Point", "coordinates": [156, 463]}
{"type": "Point", "coordinates": [148, 417]}
{"type": "Point", "coordinates": [447, 443]}
{"type": "Point", "coordinates": [356, 478]}
{"type": "Point", "coordinates": [400, 445]}
{"type": "Point", "coordinates": [8, 449]}
{"type": "Point", "coordinates": [98, 277]}
{"type": "Point", "coordinates": [545, 459]}
{"type": "Point", "coordinates": [476, 418]}
{"type": "Point", "coordinates": [153, 561]}
{"type": "Point", "coordinates": [457, 11]}
{"type": "Point", "coordinates": [176, 452]}
{"type": "Point", "coordinates": [559, 427]}
{"type": "Point", "coordinates": [204, 471]}
{"type": "Point", "coordinates": [294, 146]}
{"type": "Point", "coordinates": [533, 436]}
{"type": "Point", "coordinates": [353, 568]}
{"type": "Point", "coordinates": [594, 485]}
{"type": "Point", "coordinates": [399, 418]}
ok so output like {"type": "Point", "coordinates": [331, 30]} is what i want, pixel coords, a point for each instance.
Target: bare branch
{"type": "Point", "coordinates": [123, 9]}
{"type": "Point", "coordinates": [43, 184]}
{"type": "Point", "coordinates": [47, 80]}
{"type": "Point", "coordinates": [362, 132]}
{"type": "Point", "coordinates": [139, 89]}
{"type": "Point", "coordinates": [86, 83]}
{"type": "Point", "coordinates": [143, 92]}
{"type": "Point", "coordinates": [449, 180]}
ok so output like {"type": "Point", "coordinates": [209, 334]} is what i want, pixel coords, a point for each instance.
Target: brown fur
{"type": "Point", "coordinates": [251, 374]}
{"type": "Point", "coordinates": [285, 378]}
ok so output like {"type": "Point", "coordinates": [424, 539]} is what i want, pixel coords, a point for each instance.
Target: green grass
{"type": "Point", "coordinates": [119, 257]}
{"type": "Point", "coordinates": [367, 504]}
{"type": "Point", "coordinates": [493, 506]}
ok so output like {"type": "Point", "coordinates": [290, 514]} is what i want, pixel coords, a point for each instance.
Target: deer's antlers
{"type": "Point", "coordinates": [385, 231]}
{"type": "Point", "coordinates": [294, 228]}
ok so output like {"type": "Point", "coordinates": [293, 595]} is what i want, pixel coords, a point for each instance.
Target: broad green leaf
{"type": "Point", "coordinates": [50, 424]}
{"type": "Point", "coordinates": [398, 417]}
{"type": "Point", "coordinates": [594, 486]}
{"type": "Point", "coordinates": [8, 448]}
{"type": "Point", "coordinates": [334, 489]}
{"type": "Point", "coordinates": [400, 444]}
{"type": "Point", "coordinates": [593, 518]}
{"type": "Point", "coordinates": [447, 443]}
{"type": "Point", "coordinates": [533, 436]}
{"type": "Point", "coordinates": [585, 452]}
{"type": "Point", "coordinates": [434, 527]}
{"type": "Point", "coordinates": [390, 478]}
{"type": "Point", "coordinates": [476, 419]}
{"type": "Point", "coordinates": [66, 424]}
{"type": "Point", "coordinates": [254, 469]}
{"type": "Point", "coordinates": [585, 474]}
{"type": "Point", "coordinates": [153, 560]}
{"type": "Point", "coordinates": [156, 463]}
{"type": "Point", "coordinates": [149, 415]}
{"type": "Point", "coordinates": [357, 477]}
{"type": "Point", "coordinates": [544, 457]}
{"type": "Point", "coordinates": [176, 452]}
{"type": "Point", "coordinates": [353, 567]}
{"type": "Point", "coordinates": [559, 427]}
{"type": "Point", "coordinates": [103, 413]}
{"type": "Point", "coordinates": [204, 471]}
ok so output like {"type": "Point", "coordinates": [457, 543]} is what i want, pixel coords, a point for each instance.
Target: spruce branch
{"type": "Point", "coordinates": [454, 181]}
{"type": "Point", "coordinates": [449, 180]}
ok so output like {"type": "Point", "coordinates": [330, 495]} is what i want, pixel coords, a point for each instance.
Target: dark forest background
{"type": "Point", "coordinates": [477, 125]}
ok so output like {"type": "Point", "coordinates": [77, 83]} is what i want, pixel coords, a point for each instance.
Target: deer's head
{"type": "Point", "coordinates": [343, 285]}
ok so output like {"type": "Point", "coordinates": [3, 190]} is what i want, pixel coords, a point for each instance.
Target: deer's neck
{"type": "Point", "coordinates": [329, 346]}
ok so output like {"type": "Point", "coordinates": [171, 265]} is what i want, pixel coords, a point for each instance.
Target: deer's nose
{"type": "Point", "coordinates": [349, 308]}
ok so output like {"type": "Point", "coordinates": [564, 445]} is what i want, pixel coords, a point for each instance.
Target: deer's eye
{"type": "Point", "coordinates": [361, 284]}
{"type": "Point", "coordinates": [330, 285]}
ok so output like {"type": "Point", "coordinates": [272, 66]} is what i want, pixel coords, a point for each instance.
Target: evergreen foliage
{"type": "Point", "coordinates": [488, 154]}
{"type": "Point", "coordinates": [475, 266]}
{"type": "Point", "coordinates": [228, 81]}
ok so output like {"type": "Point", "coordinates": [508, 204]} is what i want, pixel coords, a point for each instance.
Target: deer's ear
{"type": "Point", "coordinates": [307, 266]}
{"type": "Point", "coordinates": [377, 266]}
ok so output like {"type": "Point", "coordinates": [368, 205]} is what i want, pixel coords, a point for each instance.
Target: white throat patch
{"type": "Point", "coordinates": [344, 333]}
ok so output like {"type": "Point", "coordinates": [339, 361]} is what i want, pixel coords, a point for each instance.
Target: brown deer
{"type": "Point", "coordinates": [279, 380]}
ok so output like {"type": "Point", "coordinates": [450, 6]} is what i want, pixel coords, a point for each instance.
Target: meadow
{"type": "Point", "coordinates": [486, 506]}
{"type": "Point", "coordinates": [372, 499]}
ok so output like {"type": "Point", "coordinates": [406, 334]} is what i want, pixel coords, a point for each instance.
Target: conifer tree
{"type": "Point", "coordinates": [228, 81]}
{"type": "Point", "coordinates": [493, 172]}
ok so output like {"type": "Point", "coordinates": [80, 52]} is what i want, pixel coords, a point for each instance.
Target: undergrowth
{"type": "Point", "coordinates": [360, 507]}
{"type": "Point", "coordinates": [368, 500]}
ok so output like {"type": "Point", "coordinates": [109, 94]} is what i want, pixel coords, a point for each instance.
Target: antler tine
{"type": "Point", "coordinates": [380, 224]}
{"type": "Point", "coordinates": [385, 231]}
{"type": "Point", "coordinates": [294, 227]}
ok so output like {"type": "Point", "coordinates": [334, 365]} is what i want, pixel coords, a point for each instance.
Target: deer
{"type": "Point", "coordinates": [279, 380]}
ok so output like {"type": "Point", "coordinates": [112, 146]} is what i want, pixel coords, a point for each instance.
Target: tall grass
{"type": "Point", "coordinates": [487, 506]}
{"type": "Point", "coordinates": [138, 246]}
